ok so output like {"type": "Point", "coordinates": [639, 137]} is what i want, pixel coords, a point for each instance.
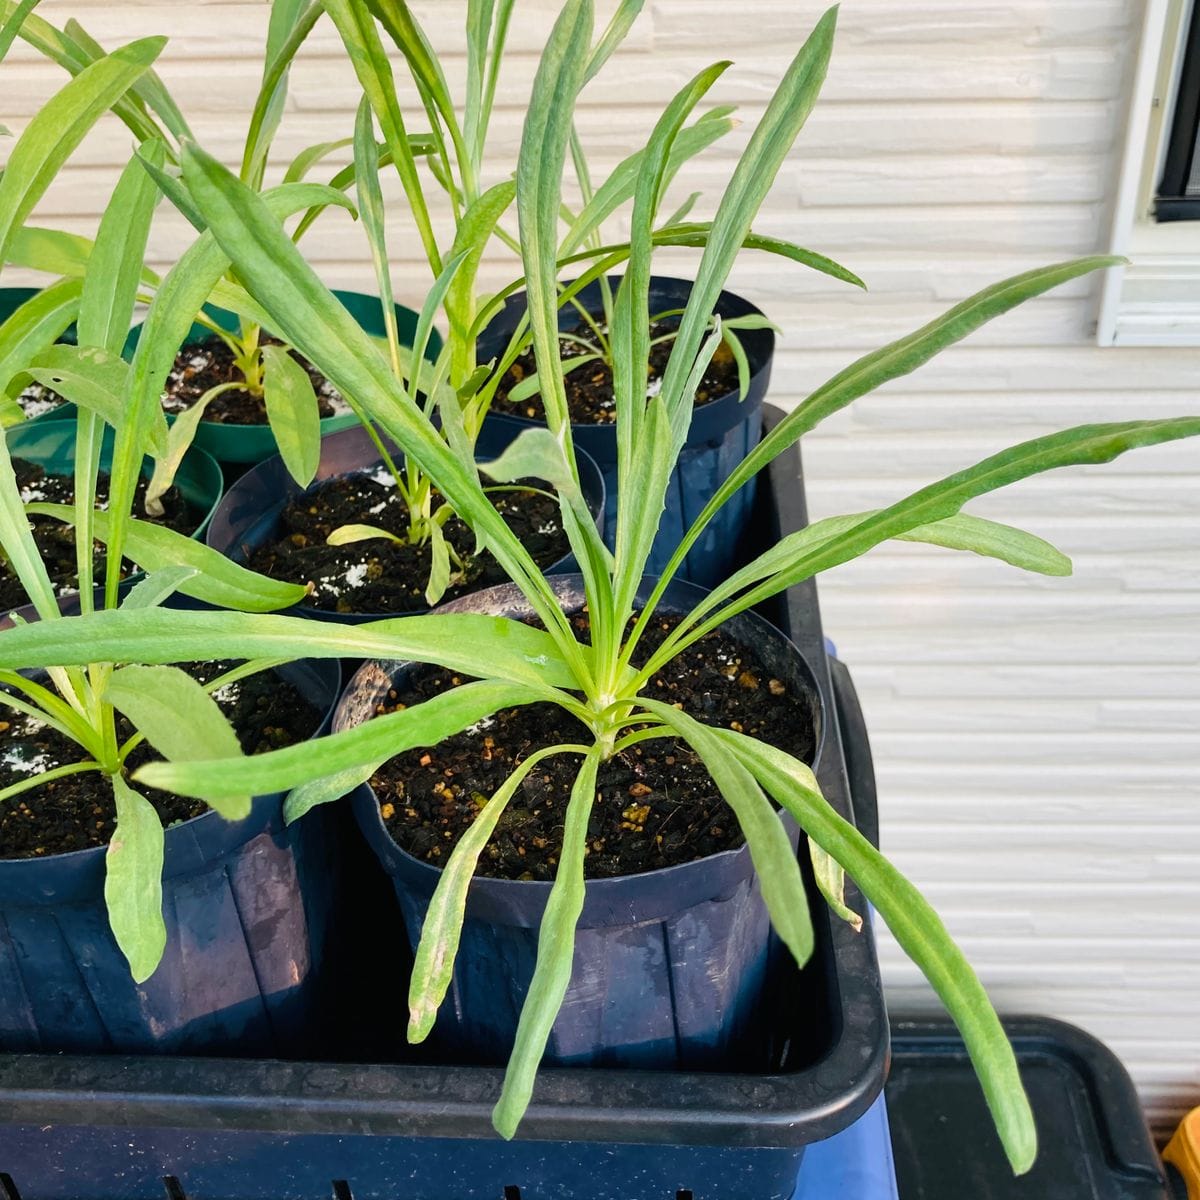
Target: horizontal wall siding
{"type": "Point", "coordinates": [1037, 741]}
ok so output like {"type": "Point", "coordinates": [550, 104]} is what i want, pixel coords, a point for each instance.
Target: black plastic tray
{"type": "Point", "coordinates": [75, 1128]}
{"type": "Point", "coordinates": [1093, 1140]}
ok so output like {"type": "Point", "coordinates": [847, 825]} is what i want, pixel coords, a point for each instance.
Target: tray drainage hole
{"type": "Point", "coordinates": [8, 1189]}
{"type": "Point", "coordinates": [341, 1190]}
{"type": "Point", "coordinates": [512, 1192]}
{"type": "Point", "coordinates": [684, 1194]}
{"type": "Point", "coordinates": [174, 1188]}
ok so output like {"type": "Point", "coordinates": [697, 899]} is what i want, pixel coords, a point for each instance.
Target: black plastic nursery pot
{"type": "Point", "coordinates": [670, 965]}
{"type": "Point", "coordinates": [246, 904]}
{"type": "Point", "coordinates": [251, 512]}
{"type": "Point", "coordinates": [722, 433]}
{"type": "Point", "coordinates": [241, 444]}
{"type": "Point", "coordinates": [138, 1128]}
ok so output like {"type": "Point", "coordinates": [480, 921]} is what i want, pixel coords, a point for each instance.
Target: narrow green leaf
{"type": "Point", "coordinates": [94, 379]}
{"type": "Point", "coordinates": [439, 565]}
{"type": "Point", "coordinates": [290, 25]}
{"type": "Point", "coordinates": [555, 955]}
{"type": "Point", "coordinates": [133, 866]}
{"type": "Point", "coordinates": [36, 325]}
{"type": "Point", "coordinates": [613, 35]}
{"type": "Point", "coordinates": [74, 58]}
{"type": "Point", "coordinates": [559, 77]}
{"type": "Point", "coordinates": [771, 849]}
{"type": "Point", "coordinates": [441, 930]}
{"type": "Point", "coordinates": [531, 385]}
{"type": "Point", "coordinates": [171, 186]}
{"type": "Point", "coordinates": [346, 535]}
{"type": "Point", "coordinates": [765, 152]}
{"type": "Point", "coordinates": [278, 770]}
{"type": "Point", "coordinates": [358, 32]}
{"type": "Point", "coordinates": [60, 125]}
{"type": "Point", "coordinates": [157, 587]}
{"type": "Point", "coordinates": [292, 413]}
{"type": "Point", "coordinates": [370, 207]}
{"type": "Point", "coordinates": [12, 25]}
{"type": "Point", "coordinates": [180, 437]}
{"type": "Point", "coordinates": [893, 361]}
{"type": "Point", "coordinates": [148, 93]}
{"type": "Point", "coordinates": [53, 251]}
{"type": "Point", "coordinates": [325, 789]}
{"type": "Point", "coordinates": [114, 272]}
{"type": "Point", "coordinates": [472, 643]}
{"type": "Point", "coordinates": [218, 581]}
{"type": "Point", "coordinates": [308, 158]}
{"type": "Point", "coordinates": [16, 539]}
{"type": "Point", "coordinates": [961, 532]}
{"type": "Point", "coordinates": [919, 931]}
{"type": "Point", "coordinates": [1082, 445]}
{"type": "Point", "coordinates": [991, 539]}
{"type": "Point", "coordinates": [472, 235]}
{"type": "Point", "coordinates": [831, 880]}
{"type": "Point", "coordinates": [181, 721]}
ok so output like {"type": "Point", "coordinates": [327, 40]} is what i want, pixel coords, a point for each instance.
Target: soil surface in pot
{"type": "Point", "coordinates": [656, 804]}
{"type": "Point", "coordinates": [383, 576]}
{"type": "Point", "coordinates": [590, 387]}
{"type": "Point", "coordinates": [56, 539]}
{"type": "Point", "coordinates": [207, 363]}
{"type": "Point", "coordinates": [36, 400]}
{"type": "Point", "coordinates": [77, 811]}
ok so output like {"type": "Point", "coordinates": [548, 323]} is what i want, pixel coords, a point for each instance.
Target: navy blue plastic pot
{"type": "Point", "coordinates": [246, 905]}
{"type": "Point", "coordinates": [670, 965]}
{"type": "Point", "coordinates": [251, 512]}
{"type": "Point", "coordinates": [240, 444]}
{"type": "Point", "coordinates": [722, 433]}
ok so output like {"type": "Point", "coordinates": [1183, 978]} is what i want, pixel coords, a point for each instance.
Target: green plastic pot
{"type": "Point", "coordinates": [253, 443]}
{"type": "Point", "coordinates": [51, 445]}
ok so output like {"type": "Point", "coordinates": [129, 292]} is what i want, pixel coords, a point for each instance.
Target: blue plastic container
{"type": "Point", "coordinates": [722, 433]}
{"type": "Point", "coordinates": [251, 511]}
{"type": "Point", "coordinates": [669, 966]}
{"type": "Point", "coordinates": [246, 905]}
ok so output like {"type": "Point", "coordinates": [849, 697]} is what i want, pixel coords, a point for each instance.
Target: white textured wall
{"type": "Point", "coordinates": [1036, 741]}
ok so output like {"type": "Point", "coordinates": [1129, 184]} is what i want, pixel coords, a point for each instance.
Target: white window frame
{"type": "Point", "coordinates": [1155, 300]}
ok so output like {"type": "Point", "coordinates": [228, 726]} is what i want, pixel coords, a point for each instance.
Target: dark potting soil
{"type": "Point", "coordinates": [56, 539]}
{"type": "Point", "coordinates": [656, 804]}
{"type": "Point", "coordinates": [207, 363]}
{"type": "Point", "coordinates": [36, 400]}
{"type": "Point", "coordinates": [383, 576]}
{"type": "Point", "coordinates": [77, 811]}
{"type": "Point", "coordinates": [590, 387]}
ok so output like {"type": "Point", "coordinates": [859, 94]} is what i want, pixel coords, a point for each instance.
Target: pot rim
{"type": "Point", "coordinates": [708, 420]}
